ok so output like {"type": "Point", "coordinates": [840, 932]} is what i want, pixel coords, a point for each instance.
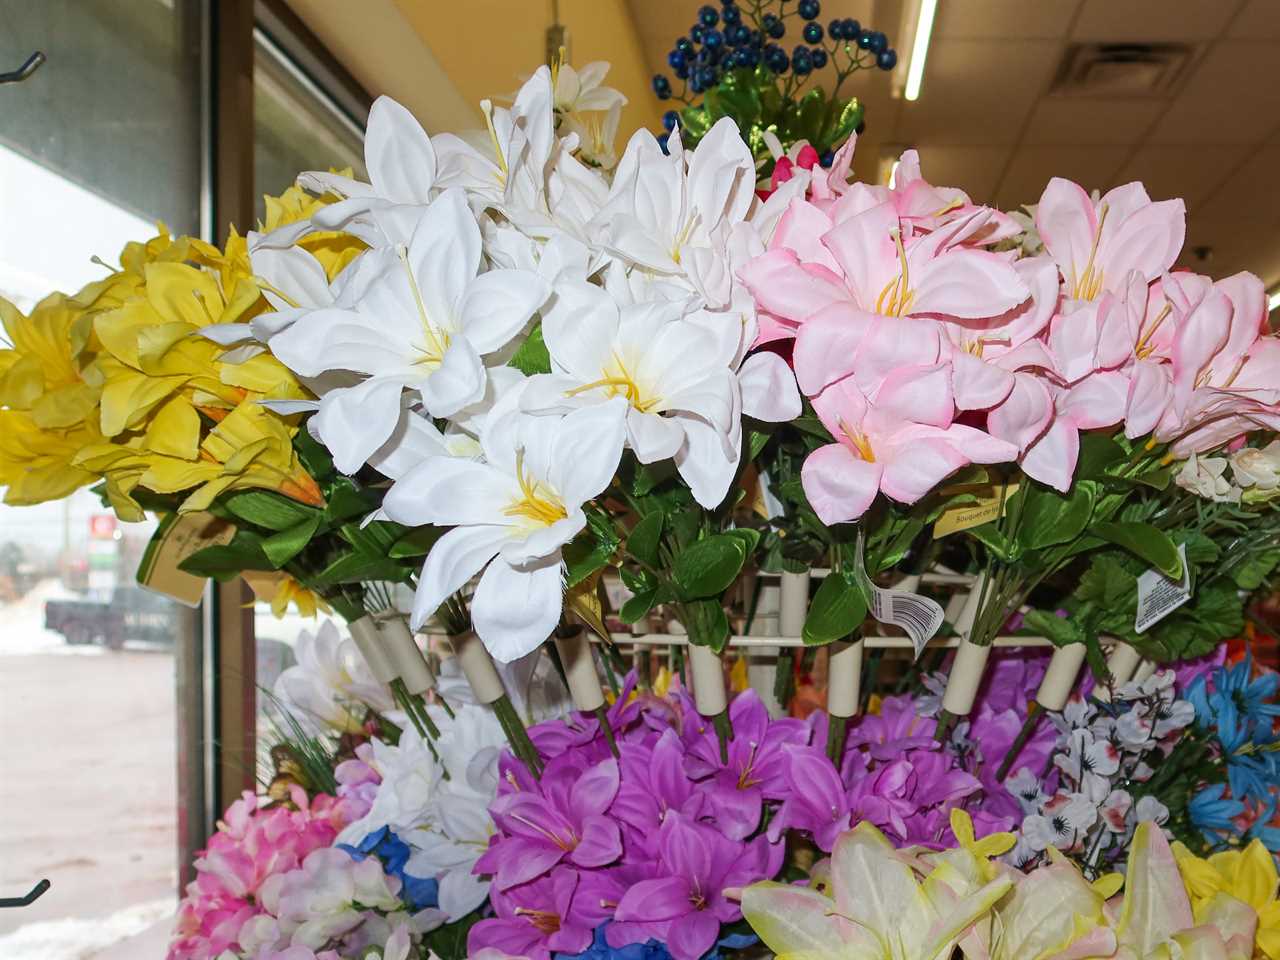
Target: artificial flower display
{"type": "Point", "coordinates": [834, 568]}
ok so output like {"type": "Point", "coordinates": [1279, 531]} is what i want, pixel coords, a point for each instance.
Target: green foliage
{"type": "Point", "coordinates": [532, 356]}
{"type": "Point", "coordinates": [838, 608]}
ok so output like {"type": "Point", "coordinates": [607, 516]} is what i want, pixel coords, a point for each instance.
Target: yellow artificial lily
{"type": "Point", "coordinates": [1248, 875]}
{"type": "Point", "coordinates": [39, 372]}
{"type": "Point", "coordinates": [877, 909]}
{"type": "Point", "coordinates": [290, 591]}
{"type": "Point", "coordinates": [249, 448]}
{"type": "Point", "coordinates": [334, 249]}
{"type": "Point", "coordinates": [1156, 920]}
{"type": "Point", "coordinates": [37, 462]}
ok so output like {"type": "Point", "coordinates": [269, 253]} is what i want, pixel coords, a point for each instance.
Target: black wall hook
{"type": "Point", "coordinates": [30, 66]}
{"type": "Point", "coordinates": [29, 899]}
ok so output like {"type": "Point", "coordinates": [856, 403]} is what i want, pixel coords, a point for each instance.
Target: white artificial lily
{"type": "Point", "coordinates": [330, 685]}
{"type": "Point", "coordinates": [671, 214]}
{"type": "Point", "coordinates": [583, 90]}
{"type": "Point", "coordinates": [423, 325]}
{"type": "Point", "coordinates": [511, 515]}
{"type": "Point", "coordinates": [410, 779]}
{"type": "Point", "coordinates": [459, 825]}
{"type": "Point", "coordinates": [683, 401]}
{"type": "Point", "coordinates": [325, 898]}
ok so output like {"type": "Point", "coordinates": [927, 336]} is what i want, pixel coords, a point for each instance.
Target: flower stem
{"type": "Point", "coordinates": [782, 680]}
{"type": "Point", "coordinates": [1028, 728]}
{"type": "Point", "coordinates": [517, 736]}
{"type": "Point", "coordinates": [945, 720]}
{"type": "Point", "coordinates": [836, 728]}
{"type": "Point", "coordinates": [603, 716]}
{"type": "Point", "coordinates": [724, 732]}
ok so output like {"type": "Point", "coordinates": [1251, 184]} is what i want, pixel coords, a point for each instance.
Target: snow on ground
{"type": "Point", "coordinates": [79, 938]}
{"type": "Point", "coordinates": [22, 629]}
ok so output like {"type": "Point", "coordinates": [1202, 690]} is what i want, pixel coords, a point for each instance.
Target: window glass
{"type": "Point", "coordinates": [99, 144]}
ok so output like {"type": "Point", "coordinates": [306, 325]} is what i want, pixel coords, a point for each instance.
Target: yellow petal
{"type": "Point", "coordinates": [174, 430]}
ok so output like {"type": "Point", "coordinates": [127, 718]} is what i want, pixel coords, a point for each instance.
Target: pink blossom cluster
{"type": "Point", "coordinates": [925, 342]}
{"type": "Point", "coordinates": [252, 844]}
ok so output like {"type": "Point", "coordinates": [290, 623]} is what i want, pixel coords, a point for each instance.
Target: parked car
{"type": "Point", "coordinates": [132, 614]}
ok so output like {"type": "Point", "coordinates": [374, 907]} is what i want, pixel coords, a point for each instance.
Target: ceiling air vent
{"type": "Point", "coordinates": [1120, 69]}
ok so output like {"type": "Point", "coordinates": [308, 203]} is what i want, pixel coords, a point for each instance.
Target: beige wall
{"type": "Point", "coordinates": [486, 46]}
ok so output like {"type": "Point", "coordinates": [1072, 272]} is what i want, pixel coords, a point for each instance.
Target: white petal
{"type": "Point", "coordinates": [703, 464]}
{"type": "Point", "coordinates": [444, 255]}
{"type": "Point", "coordinates": [454, 559]}
{"type": "Point", "coordinates": [769, 391]}
{"type": "Point", "coordinates": [294, 273]}
{"type": "Point", "coordinates": [355, 421]}
{"type": "Point", "coordinates": [586, 449]}
{"type": "Point", "coordinates": [460, 893]}
{"type": "Point", "coordinates": [227, 333]}
{"type": "Point", "coordinates": [458, 381]}
{"type": "Point", "coordinates": [653, 437]}
{"type": "Point", "coordinates": [449, 491]}
{"type": "Point", "coordinates": [543, 542]}
{"type": "Point", "coordinates": [398, 153]}
{"type": "Point", "coordinates": [497, 305]}
{"type": "Point", "coordinates": [334, 339]}
{"type": "Point", "coordinates": [515, 608]}
{"type": "Point", "coordinates": [579, 329]}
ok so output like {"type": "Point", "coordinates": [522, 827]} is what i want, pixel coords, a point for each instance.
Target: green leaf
{"type": "Point", "coordinates": [1062, 631]}
{"type": "Point", "coordinates": [990, 536]}
{"type": "Point", "coordinates": [1098, 451]}
{"type": "Point", "coordinates": [1145, 542]}
{"type": "Point", "coordinates": [640, 604]}
{"type": "Point", "coordinates": [838, 609]}
{"type": "Point", "coordinates": [315, 458]}
{"type": "Point", "coordinates": [345, 500]}
{"type": "Point", "coordinates": [532, 356]}
{"type": "Point", "coordinates": [749, 537]}
{"type": "Point", "coordinates": [1049, 517]}
{"type": "Point", "coordinates": [644, 538]}
{"type": "Point", "coordinates": [225, 562]}
{"type": "Point", "coordinates": [264, 508]}
{"type": "Point", "coordinates": [583, 556]}
{"type": "Point", "coordinates": [706, 623]}
{"type": "Point", "coordinates": [706, 567]}
{"type": "Point", "coordinates": [416, 543]}
{"type": "Point", "coordinates": [756, 439]}
{"type": "Point", "coordinates": [282, 547]}
{"type": "Point", "coordinates": [359, 567]}
{"type": "Point", "coordinates": [1255, 570]}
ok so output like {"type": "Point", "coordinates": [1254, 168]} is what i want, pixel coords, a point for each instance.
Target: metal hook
{"type": "Point", "coordinates": [30, 66]}
{"type": "Point", "coordinates": [36, 891]}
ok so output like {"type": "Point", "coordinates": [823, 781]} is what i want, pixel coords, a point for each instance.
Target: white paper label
{"type": "Point", "coordinates": [919, 616]}
{"type": "Point", "coordinates": [1158, 596]}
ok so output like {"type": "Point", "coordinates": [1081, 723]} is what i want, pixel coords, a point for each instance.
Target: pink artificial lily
{"type": "Point", "coordinates": [900, 439]}
{"type": "Point", "coordinates": [1096, 245]}
{"type": "Point", "coordinates": [927, 207]}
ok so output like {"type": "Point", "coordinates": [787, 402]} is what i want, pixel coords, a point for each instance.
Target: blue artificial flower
{"type": "Point", "coordinates": [1239, 710]}
{"type": "Point", "coordinates": [652, 949]}
{"type": "Point", "coordinates": [1263, 830]}
{"type": "Point", "coordinates": [417, 892]}
{"type": "Point", "coordinates": [1213, 814]}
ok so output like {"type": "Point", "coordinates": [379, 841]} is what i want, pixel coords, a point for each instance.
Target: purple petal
{"type": "Point", "coordinates": [600, 844]}
{"type": "Point", "coordinates": [664, 898]}
{"type": "Point", "coordinates": [520, 860]}
{"type": "Point", "coordinates": [685, 848]}
{"type": "Point", "coordinates": [692, 935]}
{"type": "Point", "coordinates": [513, 937]}
{"type": "Point", "coordinates": [570, 938]}
{"type": "Point", "coordinates": [737, 809]}
{"type": "Point", "coordinates": [595, 790]}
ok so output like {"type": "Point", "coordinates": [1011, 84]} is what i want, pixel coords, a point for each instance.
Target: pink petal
{"type": "Point", "coordinates": [768, 388]}
{"type": "Point", "coordinates": [1024, 414]}
{"type": "Point", "coordinates": [1052, 458]}
{"type": "Point", "coordinates": [967, 283]}
{"type": "Point", "coordinates": [918, 394]}
{"type": "Point", "coordinates": [1200, 338]}
{"type": "Point", "coordinates": [800, 229]}
{"type": "Point", "coordinates": [895, 342]}
{"type": "Point", "coordinates": [839, 486]}
{"type": "Point", "coordinates": [1098, 400]}
{"type": "Point", "coordinates": [916, 467]}
{"type": "Point", "coordinates": [978, 385]}
{"type": "Point", "coordinates": [1067, 223]}
{"type": "Point", "coordinates": [826, 345]}
{"type": "Point", "coordinates": [840, 406]}
{"type": "Point", "coordinates": [1150, 393]}
{"type": "Point", "coordinates": [1249, 311]}
{"type": "Point", "coordinates": [1147, 240]}
{"type": "Point", "coordinates": [978, 445]}
{"type": "Point", "coordinates": [783, 286]}
{"type": "Point", "coordinates": [1073, 341]}
{"type": "Point", "coordinates": [863, 246]}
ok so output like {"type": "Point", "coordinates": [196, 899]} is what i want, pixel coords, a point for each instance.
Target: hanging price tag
{"type": "Point", "coordinates": [919, 616]}
{"type": "Point", "coordinates": [984, 509]}
{"type": "Point", "coordinates": [178, 537]}
{"type": "Point", "coordinates": [1158, 596]}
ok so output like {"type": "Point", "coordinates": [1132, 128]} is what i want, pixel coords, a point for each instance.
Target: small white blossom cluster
{"type": "Point", "coordinates": [1255, 472]}
{"type": "Point", "coordinates": [1102, 756]}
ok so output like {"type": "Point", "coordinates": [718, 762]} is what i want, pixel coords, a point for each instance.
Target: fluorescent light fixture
{"type": "Point", "coordinates": [1273, 299]}
{"type": "Point", "coordinates": [920, 49]}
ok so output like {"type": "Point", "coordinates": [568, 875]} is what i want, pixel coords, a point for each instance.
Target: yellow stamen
{"type": "Point", "coordinates": [542, 508]}
{"type": "Point", "coordinates": [974, 347]}
{"type": "Point", "coordinates": [556, 63]}
{"type": "Point", "coordinates": [619, 382]}
{"type": "Point", "coordinates": [546, 921]}
{"type": "Point", "coordinates": [486, 107]}
{"type": "Point", "coordinates": [896, 296]}
{"type": "Point", "coordinates": [954, 204]}
{"type": "Point", "coordinates": [683, 237]}
{"type": "Point", "coordinates": [860, 442]}
{"type": "Point", "coordinates": [1144, 348]}
{"type": "Point", "coordinates": [1089, 284]}
{"type": "Point", "coordinates": [437, 341]}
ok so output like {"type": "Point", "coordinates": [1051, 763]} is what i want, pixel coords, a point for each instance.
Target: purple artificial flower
{"type": "Point", "coordinates": [551, 913]}
{"type": "Point", "coordinates": [561, 817]}
{"type": "Point", "coordinates": [654, 782]}
{"type": "Point", "coordinates": [684, 906]}
{"type": "Point", "coordinates": [816, 800]}
{"type": "Point", "coordinates": [896, 728]}
{"type": "Point", "coordinates": [757, 765]}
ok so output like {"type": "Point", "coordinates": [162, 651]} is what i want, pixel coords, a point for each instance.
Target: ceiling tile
{"type": "Point", "coordinates": [1004, 19]}
{"type": "Point", "coordinates": [973, 169]}
{"type": "Point", "coordinates": [1230, 98]}
{"type": "Point", "coordinates": [1250, 195]}
{"type": "Point", "coordinates": [1058, 120]}
{"type": "Point", "coordinates": [1259, 20]}
{"type": "Point", "coordinates": [1232, 246]}
{"type": "Point", "coordinates": [1032, 168]}
{"type": "Point", "coordinates": [1150, 21]}
{"type": "Point", "coordinates": [1189, 172]}
{"type": "Point", "coordinates": [968, 97]}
